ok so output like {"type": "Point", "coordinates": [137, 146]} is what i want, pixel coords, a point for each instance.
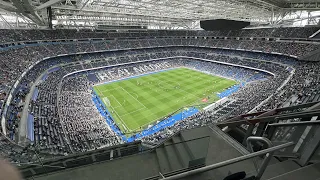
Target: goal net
{"type": "Point", "coordinates": [106, 101]}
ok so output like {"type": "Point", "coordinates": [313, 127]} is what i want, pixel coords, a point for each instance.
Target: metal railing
{"type": "Point", "coordinates": [260, 170]}
{"type": "Point", "coordinates": [50, 165]}
{"type": "Point", "coordinates": [296, 124]}
{"type": "Point", "coordinates": [233, 161]}
{"type": "Point", "coordinates": [305, 135]}
{"type": "Point", "coordinates": [305, 123]}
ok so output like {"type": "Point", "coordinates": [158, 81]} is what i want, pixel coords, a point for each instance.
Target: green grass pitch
{"type": "Point", "coordinates": [140, 101]}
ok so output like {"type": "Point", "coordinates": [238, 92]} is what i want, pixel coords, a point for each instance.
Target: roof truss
{"type": "Point", "coordinates": [152, 13]}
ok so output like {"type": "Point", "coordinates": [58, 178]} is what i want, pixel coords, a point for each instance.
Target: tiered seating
{"type": "Point", "coordinates": [50, 133]}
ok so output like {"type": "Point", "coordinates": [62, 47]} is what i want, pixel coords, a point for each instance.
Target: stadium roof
{"type": "Point", "coordinates": [159, 14]}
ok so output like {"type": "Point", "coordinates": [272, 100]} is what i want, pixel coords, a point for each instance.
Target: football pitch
{"type": "Point", "coordinates": [139, 101]}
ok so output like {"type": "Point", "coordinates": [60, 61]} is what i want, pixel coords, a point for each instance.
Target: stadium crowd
{"type": "Point", "coordinates": [74, 85]}
{"type": "Point", "coordinates": [9, 35]}
{"type": "Point", "coordinates": [63, 115]}
{"type": "Point", "coordinates": [14, 61]}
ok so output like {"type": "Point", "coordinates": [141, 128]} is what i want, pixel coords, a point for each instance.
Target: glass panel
{"type": "Point", "coordinates": [300, 135]}
{"type": "Point", "coordinates": [316, 155]}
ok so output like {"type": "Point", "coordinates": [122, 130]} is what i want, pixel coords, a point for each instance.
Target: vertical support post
{"type": "Point", "coordinates": [270, 132]}
{"type": "Point", "coordinates": [264, 165]}
{"type": "Point", "coordinates": [248, 133]}
{"type": "Point", "coordinates": [267, 158]}
{"type": "Point", "coordinates": [260, 129]}
{"type": "Point", "coordinates": [272, 17]}
{"type": "Point", "coordinates": [17, 22]}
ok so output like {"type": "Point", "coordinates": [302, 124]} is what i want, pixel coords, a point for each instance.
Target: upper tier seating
{"type": "Point", "coordinates": [9, 35]}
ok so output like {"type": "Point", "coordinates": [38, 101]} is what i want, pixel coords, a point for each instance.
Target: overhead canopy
{"type": "Point", "coordinates": [160, 14]}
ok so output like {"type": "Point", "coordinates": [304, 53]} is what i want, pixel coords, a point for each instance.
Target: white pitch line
{"type": "Point", "coordinates": [104, 100]}
{"type": "Point", "coordinates": [150, 122]}
{"type": "Point", "coordinates": [133, 111]}
{"type": "Point", "coordinates": [124, 124]}
{"type": "Point", "coordinates": [136, 95]}
{"type": "Point", "coordinates": [178, 89]}
{"type": "Point", "coordinates": [116, 107]}
{"type": "Point", "coordinates": [133, 97]}
{"type": "Point", "coordinates": [144, 107]}
{"type": "Point", "coordinates": [109, 90]}
{"type": "Point", "coordinates": [117, 101]}
{"type": "Point", "coordinates": [113, 97]}
{"type": "Point", "coordinates": [117, 114]}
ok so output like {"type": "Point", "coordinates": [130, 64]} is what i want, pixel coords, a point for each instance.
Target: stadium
{"type": "Point", "coordinates": [159, 89]}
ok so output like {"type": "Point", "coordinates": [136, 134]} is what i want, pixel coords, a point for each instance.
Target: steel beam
{"type": "Point", "coordinates": [180, 9]}
{"type": "Point", "coordinates": [7, 6]}
{"type": "Point", "coordinates": [47, 4]}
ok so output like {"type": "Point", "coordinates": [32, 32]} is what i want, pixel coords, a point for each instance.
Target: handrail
{"type": "Point", "coordinates": [266, 160]}
{"type": "Point", "coordinates": [42, 165]}
{"type": "Point", "coordinates": [305, 105]}
{"type": "Point", "coordinates": [272, 118]}
{"type": "Point", "coordinates": [303, 123]}
{"type": "Point", "coordinates": [257, 138]}
{"type": "Point", "coordinates": [228, 162]}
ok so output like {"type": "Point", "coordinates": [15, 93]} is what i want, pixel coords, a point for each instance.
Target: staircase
{"type": "Point", "coordinates": [179, 152]}
{"type": "Point", "coordinates": [175, 155]}
{"type": "Point", "coordinates": [277, 169]}
{"type": "Point", "coordinates": [311, 172]}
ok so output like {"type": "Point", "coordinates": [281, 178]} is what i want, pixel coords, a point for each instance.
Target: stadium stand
{"type": "Point", "coordinates": [46, 95]}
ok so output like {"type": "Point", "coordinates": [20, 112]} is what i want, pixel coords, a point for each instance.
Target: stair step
{"type": "Point", "coordinates": [163, 160]}
{"type": "Point", "coordinates": [177, 139]}
{"type": "Point", "coordinates": [279, 168]}
{"type": "Point", "coordinates": [167, 142]}
{"type": "Point", "coordinates": [173, 158]}
{"type": "Point", "coordinates": [183, 155]}
{"type": "Point", "coordinates": [229, 139]}
{"type": "Point", "coordinates": [311, 172]}
{"type": "Point", "coordinates": [186, 146]}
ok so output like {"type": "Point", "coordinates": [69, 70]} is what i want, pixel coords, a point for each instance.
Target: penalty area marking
{"type": "Point", "coordinates": [132, 112]}
{"type": "Point", "coordinates": [120, 105]}
{"type": "Point", "coordinates": [106, 101]}
{"type": "Point", "coordinates": [122, 122]}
